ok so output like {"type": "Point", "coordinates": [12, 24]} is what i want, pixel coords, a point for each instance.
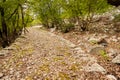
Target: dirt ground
{"type": "Point", "coordinates": [42, 55]}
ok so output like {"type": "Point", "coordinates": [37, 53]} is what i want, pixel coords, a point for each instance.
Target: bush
{"type": "Point", "coordinates": [116, 23]}
{"type": "Point", "coordinates": [67, 27]}
{"type": "Point", "coordinates": [116, 18]}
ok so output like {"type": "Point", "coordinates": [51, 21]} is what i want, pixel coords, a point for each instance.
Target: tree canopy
{"type": "Point", "coordinates": [12, 19]}
{"type": "Point", "coordinates": [15, 14]}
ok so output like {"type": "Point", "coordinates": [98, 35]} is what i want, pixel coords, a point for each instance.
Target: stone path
{"type": "Point", "coordinates": [41, 55]}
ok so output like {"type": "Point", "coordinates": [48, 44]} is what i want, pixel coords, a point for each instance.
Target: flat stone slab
{"type": "Point", "coordinates": [111, 77]}
{"type": "Point", "coordinates": [97, 50]}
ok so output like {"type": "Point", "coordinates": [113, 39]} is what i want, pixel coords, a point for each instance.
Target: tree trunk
{"type": "Point", "coordinates": [4, 31]}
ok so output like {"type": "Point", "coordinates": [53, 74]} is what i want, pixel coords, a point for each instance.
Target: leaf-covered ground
{"type": "Point", "coordinates": [41, 55]}
{"type": "Point", "coordinates": [89, 42]}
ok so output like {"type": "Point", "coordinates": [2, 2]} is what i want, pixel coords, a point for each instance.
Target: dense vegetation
{"type": "Point", "coordinates": [12, 20]}
{"type": "Point", "coordinates": [61, 14]}
{"type": "Point", "coordinates": [56, 13]}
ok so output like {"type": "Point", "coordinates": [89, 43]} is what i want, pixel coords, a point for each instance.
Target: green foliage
{"type": "Point", "coordinates": [67, 27]}
{"type": "Point", "coordinates": [53, 12]}
{"type": "Point", "coordinates": [17, 14]}
{"type": "Point", "coordinates": [14, 16]}
{"type": "Point", "coordinates": [103, 54]}
{"type": "Point", "coordinates": [35, 22]}
{"type": "Point", "coordinates": [117, 18]}
{"type": "Point", "coordinates": [63, 76]}
{"type": "Point", "coordinates": [93, 42]}
{"type": "Point", "coordinates": [83, 8]}
{"type": "Point", "coordinates": [48, 11]}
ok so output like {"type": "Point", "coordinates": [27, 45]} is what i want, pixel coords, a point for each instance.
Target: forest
{"type": "Point", "coordinates": [59, 40]}
{"type": "Point", "coordinates": [15, 15]}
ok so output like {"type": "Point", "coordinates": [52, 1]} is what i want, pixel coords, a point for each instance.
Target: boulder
{"type": "Point", "coordinates": [97, 50]}
{"type": "Point", "coordinates": [95, 68]}
{"type": "Point", "coordinates": [9, 48]}
{"type": "Point", "coordinates": [102, 42]}
{"type": "Point", "coordinates": [92, 39]}
{"type": "Point", "coordinates": [113, 52]}
{"type": "Point", "coordinates": [111, 77]}
{"type": "Point", "coordinates": [116, 60]}
{"type": "Point", "coordinates": [52, 29]}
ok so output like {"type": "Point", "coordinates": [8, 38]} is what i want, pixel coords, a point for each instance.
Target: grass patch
{"type": "Point", "coordinates": [58, 58]}
{"type": "Point", "coordinates": [104, 54]}
{"type": "Point", "coordinates": [44, 68]}
{"type": "Point", "coordinates": [63, 76]}
{"type": "Point", "coordinates": [93, 42]}
{"type": "Point", "coordinates": [74, 67]}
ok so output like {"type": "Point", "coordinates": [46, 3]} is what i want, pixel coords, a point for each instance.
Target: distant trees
{"type": "Point", "coordinates": [14, 15]}
{"type": "Point", "coordinates": [83, 10]}
{"type": "Point", "coordinates": [48, 11]}
{"type": "Point", "coordinates": [52, 13]}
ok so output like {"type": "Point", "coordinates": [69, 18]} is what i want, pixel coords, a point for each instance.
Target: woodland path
{"type": "Point", "coordinates": [41, 55]}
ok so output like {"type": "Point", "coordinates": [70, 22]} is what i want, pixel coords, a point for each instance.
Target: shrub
{"type": "Point", "coordinates": [116, 18]}
{"type": "Point", "coordinates": [104, 54]}
{"type": "Point", "coordinates": [67, 27]}
{"type": "Point", "coordinates": [116, 23]}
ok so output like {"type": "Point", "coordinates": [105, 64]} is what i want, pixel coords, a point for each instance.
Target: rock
{"type": "Point", "coordinates": [93, 39]}
{"type": "Point", "coordinates": [1, 75]}
{"type": "Point", "coordinates": [113, 52]}
{"type": "Point", "coordinates": [6, 78]}
{"type": "Point", "coordinates": [111, 77]}
{"type": "Point", "coordinates": [97, 50]}
{"type": "Point", "coordinates": [102, 42]}
{"type": "Point", "coordinates": [37, 26]}
{"type": "Point", "coordinates": [2, 54]}
{"type": "Point", "coordinates": [116, 59]}
{"type": "Point", "coordinates": [9, 48]}
{"type": "Point", "coordinates": [72, 45]}
{"type": "Point", "coordinates": [114, 39]}
{"type": "Point", "coordinates": [118, 38]}
{"type": "Point", "coordinates": [79, 50]}
{"type": "Point", "coordinates": [52, 29]}
{"type": "Point", "coordinates": [17, 74]}
{"type": "Point", "coordinates": [12, 72]}
{"type": "Point", "coordinates": [95, 68]}
{"type": "Point", "coordinates": [89, 59]}
{"type": "Point", "coordinates": [28, 68]}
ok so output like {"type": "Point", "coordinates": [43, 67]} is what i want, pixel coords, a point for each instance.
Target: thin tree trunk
{"type": "Point", "coordinates": [4, 30]}
{"type": "Point", "coordinates": [23, 20]}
